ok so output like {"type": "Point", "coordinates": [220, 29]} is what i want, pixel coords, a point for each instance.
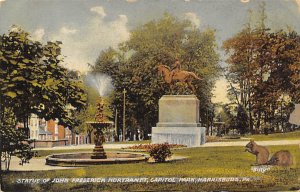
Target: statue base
{"type": "Point", "coordinates": [98, 153]}
{"type": "Point", "coordinates": [189, 136]}
{"type": "Point", "coordinates": [179, 121]}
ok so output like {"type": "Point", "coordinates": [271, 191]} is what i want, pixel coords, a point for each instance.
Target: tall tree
{"type": "Point", "coordinates": [34, 81]}
{"type": "Point", "coordinates": [133, 66]}
{"type": "Point", "coordinates": [263, 66]}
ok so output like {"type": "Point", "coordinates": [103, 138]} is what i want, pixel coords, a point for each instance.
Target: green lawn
{"type": "Point", "coordinates": [203, 162]}
{"type": "Point", "coordinates": [295, 135]}
{"type": "Point", "coordinates": [277, 136]}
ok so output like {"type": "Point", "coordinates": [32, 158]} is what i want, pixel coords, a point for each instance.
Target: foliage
{"type": "Point", "coordinates": [13, 141]}
{"type": "Point", "coordinates": [23, 151]}
{"type": "Point", "coordinates": [242, 120]}
{"type": "Point", "coordinates": [159, 152]}
{"type": "Point", "coordinates": [230, 117]}
{"type": "Point", "coordinates": [33, 80]}
{"type": "Point", "coordinates": [263, 71]}
{"type": "Point", "coordinates": [133, 67]}
{"type": "Point", "coordinates": [89, 111]}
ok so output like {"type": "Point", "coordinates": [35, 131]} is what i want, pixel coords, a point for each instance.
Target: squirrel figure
{"type": "Point", "coordinates": [261, 152]}
{"type": "Point", "coordinates": [280, 158]}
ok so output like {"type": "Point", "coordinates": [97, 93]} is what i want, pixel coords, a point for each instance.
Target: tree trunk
{"type": "Point", "coordinates": [258, 121]}
{"type": "Point", "coordinates": [250, 118]}
{"type": "Point", "coordinates": [90, 137]}
{"type": "Point", "coordinates": [73, 138]}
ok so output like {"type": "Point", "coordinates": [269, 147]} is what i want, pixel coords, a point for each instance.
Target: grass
{"type": "Point", "coordinates": [203, 162]}
{"type": "Point", "coordinates": [277, 136]}
{"type": "Point", "coordinates": [295, 135]}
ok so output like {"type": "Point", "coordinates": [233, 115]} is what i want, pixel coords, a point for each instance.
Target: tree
{"type": "Point", "coordinates": [133, 66]}
{"type": "Point", "coordinates": [242, 120]}
{"type": "Point", "coordinates": [263, 66]}
{"type": "Point", "coordinates": [89, 111]}
{"type": "Point", "coordinates": [13, 140]}
{"type": "Point", "coordinates": [229, 117]}
{"type": "Point", "coordinates": [33, 81]}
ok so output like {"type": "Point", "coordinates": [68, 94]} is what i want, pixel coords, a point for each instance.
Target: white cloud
{"type": "Point", "coordinates": [99, 10]}
{"type": "Point", "coordinates": [193, 18]}
{"type": "Point", "coordinates": [220, 91]}
{"type": "Point", "coordinates": [66, 30]}
{"type": "Point", "coordinates": [38, 34]}
{"type": "Point", "coordinates": [131, 1]}
{"type": "Point", "coordinates": [85, 45]}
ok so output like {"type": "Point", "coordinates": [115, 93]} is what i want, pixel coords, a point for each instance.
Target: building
{"type": "Point", "coordinates": [50, 134]}
{"type": "Point", "coordinates": [58, 131]}
{"type": "Point", "coordinates": [75, 139]}
{"type": "Point", "coordinates": [46, 133]}
{"type": "Point", "coordinates": [38, 128]}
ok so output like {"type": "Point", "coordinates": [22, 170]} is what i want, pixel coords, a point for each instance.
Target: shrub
{"type": "Point", "coordinates": [213, 139]}
{"type": "Point", "coordinates": [159, 152]}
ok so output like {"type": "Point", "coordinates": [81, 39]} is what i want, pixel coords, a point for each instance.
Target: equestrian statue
{"type": "Point", "coordinates": [176, 74]}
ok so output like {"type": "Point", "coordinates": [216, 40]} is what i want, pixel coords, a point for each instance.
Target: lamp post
{"type": "Point", "coordinates": [116, 120]}
{"type": "Point", "coordinates": [124, 121]}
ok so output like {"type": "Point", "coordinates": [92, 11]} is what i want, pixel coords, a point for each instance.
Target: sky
{"type": "Point", "coordinates": [86, 27]}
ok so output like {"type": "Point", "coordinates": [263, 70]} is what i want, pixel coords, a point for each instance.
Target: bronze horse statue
{"type": "Point", "coordinates": [181, 76]}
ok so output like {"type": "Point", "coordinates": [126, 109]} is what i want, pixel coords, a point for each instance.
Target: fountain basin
{"type": "Point", "coordinates": [83, 159]}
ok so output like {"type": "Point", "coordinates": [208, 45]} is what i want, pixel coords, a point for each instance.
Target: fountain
{"type": "Point", "coordinates": [98, 156]}
{"type": "Point", "coordinates": [98, 126]}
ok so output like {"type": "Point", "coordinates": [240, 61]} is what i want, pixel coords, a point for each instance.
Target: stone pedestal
{"type": "Point", "coordinates": [179, 121]}
{"type": "Point", "coordinates": [98, 153]}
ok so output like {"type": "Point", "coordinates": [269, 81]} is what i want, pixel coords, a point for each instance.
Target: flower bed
{"type": "Point", "coordinates": [147, 147]}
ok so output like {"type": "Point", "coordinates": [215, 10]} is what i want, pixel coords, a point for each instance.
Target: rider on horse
{"type": "Point", "coordinates": [176, 67]}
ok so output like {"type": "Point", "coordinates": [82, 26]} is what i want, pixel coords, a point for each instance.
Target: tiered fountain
{"type": "Point", "coordinates": [99, 124]}
{"type": "Point", "coordinates": [98, 156]}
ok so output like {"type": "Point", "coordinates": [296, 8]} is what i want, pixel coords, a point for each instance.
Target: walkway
{"type": "Point", "coordinates": [35, 164]}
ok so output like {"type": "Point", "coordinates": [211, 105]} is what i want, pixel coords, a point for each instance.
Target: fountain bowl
{"type": "Point", "coordinates": [84, 159]}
